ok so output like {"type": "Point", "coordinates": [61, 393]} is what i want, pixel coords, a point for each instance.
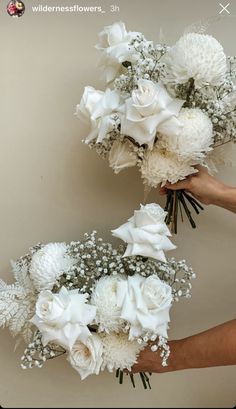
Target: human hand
{"type": "Point", "coordinates": [201, 185]}
{"type": "Point", "coordinates": [151, 362]}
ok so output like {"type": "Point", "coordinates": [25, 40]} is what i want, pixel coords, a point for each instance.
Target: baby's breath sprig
{"type": "Point", "coordinates": [36, 354]}
{"type": "Point", "coordinates": [96, 258]}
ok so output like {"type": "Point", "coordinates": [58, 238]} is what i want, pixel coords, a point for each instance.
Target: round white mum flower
{"type": "Point", "coordinates": [195, 137]}
{"type": "Point", "coordinates": [119, 352]}
{"type": "Point", "coordinates": [160, 166]}
{"type": "Point", "coordinates": [104, 298]}
{"type": "Point", "coordinates": [48, 264]}
{"type": "Point", "coordinates": [197, 56]}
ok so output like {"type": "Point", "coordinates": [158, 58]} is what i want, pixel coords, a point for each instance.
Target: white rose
{"type": "Point", "coordinates": [122, 156]}
{"type": "Point", "coordinates": [151, 213]}
{"type": "Point", "coordinates": [86, 357]}
{"type": "Point", "coordinates": [63, 317]}
{"type": "Point", "coordinates": [146, 233]}
{"type": "Point", "coordinates": [114, 42]}
{"type": "Point", "coordinates": [112, 37]}
{"type": "Point", "coordinates": [104, 297]}
{"type": "Point", "coordinates": [150, 109]}
{"type": "Point", "coordinates": [145, 304]}
{"type": "Point", "coordinates": [96, 109]}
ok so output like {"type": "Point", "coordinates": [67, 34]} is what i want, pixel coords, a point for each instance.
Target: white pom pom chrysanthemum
{"type": "Point", "coordinates": [119, 352]}
{"type": "Point", "coordinates": [195, 137]}
{"type": "Point", "coordinates": [104, 298]}
{"type": "Point", "coordinates": [197, 56]}
{"type": "Point", "coordinates": [48, 264]}
{"type": "Point", "coordinates": [160, 166]}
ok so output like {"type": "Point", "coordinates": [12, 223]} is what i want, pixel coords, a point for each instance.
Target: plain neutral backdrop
{"type": "Point", "coordinates": [53, 188]}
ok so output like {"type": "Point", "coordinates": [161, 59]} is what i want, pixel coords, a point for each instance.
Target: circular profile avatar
{"type": "Point", "coordinates": [15, 8]}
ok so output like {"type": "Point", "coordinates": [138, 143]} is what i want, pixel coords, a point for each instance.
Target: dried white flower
{"type": "Point", "coordinates": [108, 316]}
{"type": "Point", "coordinates": [197, 56]}
{"type": "Point", "coordinates": [119, 352]}
{"type": "Point", "coordinates": [49, 263]}
{"type": "Point", "coordinates": [122, 156]}
{"type": "Point", "coordinates": [160, 166]}
{"type": "Point", "coordinates": [220, 156]}
{"type": "Point", "coordinates": [195, 138]}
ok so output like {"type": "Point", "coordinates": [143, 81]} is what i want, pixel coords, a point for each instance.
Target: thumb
{"type": "Point", "coordinates": [183, 184]}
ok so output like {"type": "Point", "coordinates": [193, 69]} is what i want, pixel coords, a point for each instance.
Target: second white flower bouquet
{"type": "Point", "coordinates": [165, 109]}
{"type": "Point", "coordinates": [98, 305]}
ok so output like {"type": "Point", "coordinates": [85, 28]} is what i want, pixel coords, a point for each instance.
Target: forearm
{"type": "Point", "coordinates": [214, 347]}
{"type": "Point", "coordinates": [226, 198]}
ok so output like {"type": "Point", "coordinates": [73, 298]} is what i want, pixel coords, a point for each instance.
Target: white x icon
{"type": "Point", "coordinates": [224, 8]}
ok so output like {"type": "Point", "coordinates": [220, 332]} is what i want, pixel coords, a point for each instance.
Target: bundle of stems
{"type": "Point", "coordinates": [144, 378]}
{"type": "Point", "coordinates": [179, 201]}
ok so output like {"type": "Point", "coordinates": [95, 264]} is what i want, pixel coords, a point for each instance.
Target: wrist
{"type": "Point", "coordinates": [179, 358]}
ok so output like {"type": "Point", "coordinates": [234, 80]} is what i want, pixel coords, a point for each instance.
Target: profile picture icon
{"type": "Point", "coordinates": [15, 8]}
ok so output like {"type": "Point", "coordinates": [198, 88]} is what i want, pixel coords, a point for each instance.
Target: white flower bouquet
{"type": "Point", "coordinates": [165, 109]}
{"type": "Point", "coordinates": [98, 305]}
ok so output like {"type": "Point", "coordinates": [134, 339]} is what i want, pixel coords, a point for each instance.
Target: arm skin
{"type": "Point", "coordinates": [217, 346]}
{"type": "Point", "coordinates": [206, 189]}
{"type": "Point", "coordinates": [214, 347]}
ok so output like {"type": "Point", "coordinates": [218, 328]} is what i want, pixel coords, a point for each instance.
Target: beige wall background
{"type": "Point", "coordinates": [53, 188]}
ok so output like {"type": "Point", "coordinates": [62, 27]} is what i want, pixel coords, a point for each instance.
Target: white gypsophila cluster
{"type": "Point", "coordinates": [147, 66]}
{"type": "Point", "coordinates": [178, 275]}
{"type": "Point", "coordinates": [197, 56]}
{"type": "Point", "coordinates": [160, 166]}
{"type": "Point", "coordinates": [104, 298]}
{"type": "Point", "coordinates": [119, 352]}
{"type": "Point", "coordinates": [164, 348]}
{"type": "Point", "coordinates": [36, 354]}
{"type": "Point", "coordinates": [96, 259]}
{"type": "Point", "coordinates": [194, 139]}
{"type": "Point", "coordinates": [220, 106]}
{"type": "Point", "coordinates": [48, 264]}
